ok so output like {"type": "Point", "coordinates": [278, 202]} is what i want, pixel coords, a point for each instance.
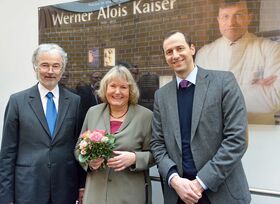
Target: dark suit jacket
{"type": "Point", "coordinates": [218, 136]}
{"type": "Point", "coordinates": [87, 99]}
{"type": "Point", "coordinates": [33, 166]}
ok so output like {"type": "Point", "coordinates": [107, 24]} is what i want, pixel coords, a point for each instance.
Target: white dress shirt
{"type": "Point", "coordinates": [191, 77]}
{"type": "Point", "coordinates": [43, 92]}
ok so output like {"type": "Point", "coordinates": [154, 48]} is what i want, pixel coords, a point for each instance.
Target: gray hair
{"type": "Point", "coordinates": [119, 72]}
{"type": "Point", "coordinates": [50, 48]}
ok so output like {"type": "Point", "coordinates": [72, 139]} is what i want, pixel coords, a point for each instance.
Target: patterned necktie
{"type": "Point", "coordinates": [184, 84]}
{"type": "Point", "coordinates": [51, 113]}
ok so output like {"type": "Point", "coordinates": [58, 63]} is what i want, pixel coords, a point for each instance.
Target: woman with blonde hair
{"type": "Point", "coordinates": [125, 178]}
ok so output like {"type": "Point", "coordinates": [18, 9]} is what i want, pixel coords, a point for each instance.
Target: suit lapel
{"type": "Point", "coordinates": [106, 118]}
{"type": "Point", "coordinates": [172, 105]}
{"type": "Point", "coordinates": [201, 88]}
{"type": "Point", "coordinates": [36, 106]}
{"type": "Point", "coordinates": [128, 118]}
{"type": "Point", "coordinates": [63, 107]}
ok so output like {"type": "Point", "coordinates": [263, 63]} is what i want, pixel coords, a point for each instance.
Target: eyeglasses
{"type": "Point", "coordinates": [56, 67]}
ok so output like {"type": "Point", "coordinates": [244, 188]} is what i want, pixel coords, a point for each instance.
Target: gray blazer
{"type": "Point", "coordinates": [218, 136]}
{"type": "Point", "coordinates": [132, 185]}
{"type": "Point", "coordinates": [33, 166]}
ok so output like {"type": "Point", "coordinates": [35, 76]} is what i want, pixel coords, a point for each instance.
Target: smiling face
{"type": "Point", "coordinates": [178, 54]}
{"type": "Point", "coordinates": [117, 93]}
{"type": "Point", "coordinates": [234, 20]}
{"type": "Point", "coordinates": [49, 69]}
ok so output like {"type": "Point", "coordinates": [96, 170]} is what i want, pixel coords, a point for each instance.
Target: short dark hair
{"type": "Point", "coordinates": [226, 3]}
{"type": "Point", "coordinates": [186, 36]}
{"type": "Point", "coordinates": [229, 2]}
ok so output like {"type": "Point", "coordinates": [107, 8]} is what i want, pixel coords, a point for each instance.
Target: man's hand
{"type": "Point", "coordinates": [123, 160]}
{"type": "Point", "coordinates": [81, 195]}
{"type": "Point", "coordinates": [268, 81]}
{"type": "Point", "coordinates": [198, 185]}
{"type": "Point", "coordinates": [189, 191]}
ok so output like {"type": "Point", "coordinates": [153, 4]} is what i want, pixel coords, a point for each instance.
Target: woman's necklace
{"type": "Point", "coordinates": [119, 116]}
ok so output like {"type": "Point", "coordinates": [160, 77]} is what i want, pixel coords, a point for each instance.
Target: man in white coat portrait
{"type": "Point", "coordinates": [254, 61]}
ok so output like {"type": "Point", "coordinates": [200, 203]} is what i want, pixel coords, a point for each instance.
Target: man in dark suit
{"type": "Point", "coordinates": [37, 163]}
{"type": "Point", "coordinates": [199, 131]}
{"type": "Point", "coordinates": [88, 93]}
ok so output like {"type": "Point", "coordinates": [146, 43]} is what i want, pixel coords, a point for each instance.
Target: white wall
{"type": "Point", "coordinates": [18, 39]}
{"type": "Point", "coordinates": [261, 161]}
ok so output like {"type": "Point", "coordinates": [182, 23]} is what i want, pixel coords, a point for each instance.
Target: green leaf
{"type": "Point", "coordinates": [83, 159]}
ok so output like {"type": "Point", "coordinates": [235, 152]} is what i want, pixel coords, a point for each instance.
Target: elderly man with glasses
{"type": "Point", "coordinates": [41, 127]}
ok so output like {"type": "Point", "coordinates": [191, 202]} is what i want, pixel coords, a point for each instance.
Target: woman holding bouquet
{"type": "Point", "coordinates": [123, 178]}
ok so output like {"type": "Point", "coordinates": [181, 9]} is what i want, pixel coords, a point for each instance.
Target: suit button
{"type": "Point", "coordinates": [109, 180]}
{"type": "Point", "coordinates": [49, 165]}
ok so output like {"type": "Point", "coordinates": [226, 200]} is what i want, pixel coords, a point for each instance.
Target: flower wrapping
{"type": "Point", "coordinates": [95, 144]}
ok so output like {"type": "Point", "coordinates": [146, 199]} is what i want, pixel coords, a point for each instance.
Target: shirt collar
{"type": "Point", "coordinates": [43, 91]}
{"type": "Point", "coordinates": [191, 77]}
{"type": "Point", "coordinates": [245, 37]}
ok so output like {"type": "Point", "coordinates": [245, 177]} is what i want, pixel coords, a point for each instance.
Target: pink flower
{"type": "Point", "coordinates": [83, 152]}
{"type": "Point", "coordinates": [83, 144]}
{"type": "Point", "coordinates": [103, 132]}
{"type": "Point", "coordinates": [85, 134]}
{"type": "Point", "coordinates": [95, 144]}
{"type": "Point", "coordinates": [96, 136]}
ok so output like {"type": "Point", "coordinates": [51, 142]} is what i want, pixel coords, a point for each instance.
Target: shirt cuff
{"type": "Point", "coordinates": [170, 177]}
{"type": "Point", "coordinates": [201, 183]}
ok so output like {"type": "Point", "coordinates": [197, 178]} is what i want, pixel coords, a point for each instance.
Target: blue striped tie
{"type": "Point", "coordinates": [51, 113]}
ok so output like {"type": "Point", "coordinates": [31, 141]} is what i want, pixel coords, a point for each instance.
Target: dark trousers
{"type": "Point", "coordinates": [203, 200]}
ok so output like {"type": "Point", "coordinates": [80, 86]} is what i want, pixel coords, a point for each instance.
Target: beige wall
{"type": "Point", "coordinates": [269, 12]}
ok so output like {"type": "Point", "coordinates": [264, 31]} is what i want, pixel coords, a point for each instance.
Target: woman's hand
{"type": "Point", "coordinates": [123, 160]}
{"type": "Point", "coordinates": [95, 164]}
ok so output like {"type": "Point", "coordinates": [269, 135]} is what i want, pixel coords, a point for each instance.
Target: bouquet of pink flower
{"type": "Point", "coordinates": [95, 144]}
